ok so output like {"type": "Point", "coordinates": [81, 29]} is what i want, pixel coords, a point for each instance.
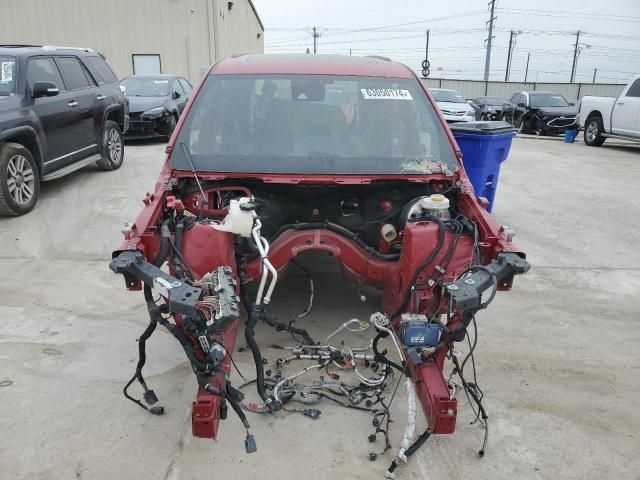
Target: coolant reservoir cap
{"type": "Point", "coordinates": [437, 197]}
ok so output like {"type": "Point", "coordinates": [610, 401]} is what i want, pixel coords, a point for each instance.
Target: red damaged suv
{"type": "Point", "coordinates": [277, 155]}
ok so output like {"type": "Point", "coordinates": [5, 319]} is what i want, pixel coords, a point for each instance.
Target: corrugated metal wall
{"type": "Point", "coordinates": [478, 88]}
{"type": "Point", "coordinates": [189, 35]}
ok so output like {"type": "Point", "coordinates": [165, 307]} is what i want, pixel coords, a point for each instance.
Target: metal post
{"type": "Point", "coordinates": [315, 40]}
{"type": "Point", "coordinates": [595, 71]}
{"type": "Point", "coordinates": [487, 61]}
{"type": "Point", "coordinates": [575, 57]}
{"type": "Point", "coordinates": [506, 72]}
{"type": "Point", "coordinates": [526, 71]}
{"type": "Point", "coordinates": [426, 52]}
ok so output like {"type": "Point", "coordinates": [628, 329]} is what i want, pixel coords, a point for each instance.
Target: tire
{"type": "Point", "coordinates": [112, 147]}
{"type": "Point", "coordinates": [171, 126]}
{"type": "Point", "coordinates": [19, 180]}
{"type": "Point", "coordinates": [593, 131]}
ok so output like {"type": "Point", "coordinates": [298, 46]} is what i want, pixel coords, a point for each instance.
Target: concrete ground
{"type": "Point", "coordinates": [558, 357]}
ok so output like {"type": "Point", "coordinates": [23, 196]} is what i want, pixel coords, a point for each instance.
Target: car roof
{"type": "Point", "coordinates": [541, 92]}
{"type": "Point", "coordinates": [21, 50]}
{"type": "Point", "coordinates": [292, 64]}
{"type": "Point", "coordinates": [151, 75]}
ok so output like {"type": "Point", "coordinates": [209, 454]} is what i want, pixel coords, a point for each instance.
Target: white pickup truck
{"type": "Point", "coordinates": [603, 117]}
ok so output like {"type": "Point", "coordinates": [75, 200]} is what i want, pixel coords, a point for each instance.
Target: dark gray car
{"type": "Point", "coordinates": [155, 104]}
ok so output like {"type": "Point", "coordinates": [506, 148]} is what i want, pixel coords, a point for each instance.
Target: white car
{"type": "Point", "coordinates": [453, 106]}
{"type": "Point", "coordinates": [603, 117]}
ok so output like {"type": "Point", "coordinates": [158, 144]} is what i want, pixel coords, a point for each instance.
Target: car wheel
{"type": "Point", "coordinates": [171, 126]}
{"type": "Point", "coordinates": [593, 132]}
{"type": "Point", "coordinates": [112, 147]}
{"type": "Point", "coordinates": [19, 180]}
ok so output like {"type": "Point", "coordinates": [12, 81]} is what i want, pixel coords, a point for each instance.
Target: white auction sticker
{"type": "Point", "coordinates": [6, 74]}
{"type": "Point", "coordinates": [385, 94]}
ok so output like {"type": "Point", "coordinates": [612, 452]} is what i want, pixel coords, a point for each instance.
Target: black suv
{"type": "Point", "coordinates": [60, 109]}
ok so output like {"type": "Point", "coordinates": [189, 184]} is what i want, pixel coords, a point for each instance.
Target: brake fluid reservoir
{"type": "Point", "coordinates": [436, 205]}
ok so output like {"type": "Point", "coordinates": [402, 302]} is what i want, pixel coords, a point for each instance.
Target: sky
{"type": "Point", "coordinates": [610, 39]}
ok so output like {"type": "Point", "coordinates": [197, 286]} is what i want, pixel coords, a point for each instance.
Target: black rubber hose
{"type": "Point", "coordinates": [249, 336]}
{"type": "Point", "coordinates": [165, 236]}
{"type": "Point", "coordinates": [412, 449]}
{"type": "Point", "coordinates": [177, 260]}
{"type": "Point", "coordinates": [425, 263]}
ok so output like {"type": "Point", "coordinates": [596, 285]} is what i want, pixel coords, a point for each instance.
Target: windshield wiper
{"type": "Point", "coordinates": [195, 175]}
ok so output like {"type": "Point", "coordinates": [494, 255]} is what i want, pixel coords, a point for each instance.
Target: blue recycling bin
{"type": "Point", "coordinates": [484, 146]}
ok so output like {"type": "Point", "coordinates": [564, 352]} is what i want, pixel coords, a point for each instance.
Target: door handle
{"type": "Point", "coordinates": [620, 102]}
{"type": "Point", "coordinates": [72, 104]}
{"type": "Point", "coordinates": [100, 97]}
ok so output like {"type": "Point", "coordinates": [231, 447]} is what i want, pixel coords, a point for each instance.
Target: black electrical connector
{"type": "Point", "coordinates": [311, 413]}
{"type": "Point", "coordinates": [150, 397]}
{"type": "Point", "coordinates": [250, 444]}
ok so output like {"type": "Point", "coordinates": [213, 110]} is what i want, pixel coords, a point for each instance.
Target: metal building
{"type": "Point", "coordinates": [182, 37]}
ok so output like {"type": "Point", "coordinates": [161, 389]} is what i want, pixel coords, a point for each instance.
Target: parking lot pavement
{"type": "Point", "coordinates": [558, 357]}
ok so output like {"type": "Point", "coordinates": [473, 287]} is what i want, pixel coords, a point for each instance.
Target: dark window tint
{"type": "Point", "coordinates": [74, 73]}
{"type": "Point", "coordinates": [43, 69]}
{"type": "Point", "coordinates": [634, 89]}
{"type": "Point", "coordinates": [177, 89]}
{"type": "Point", "coordinates": [100, 70]}
{"type": "Point", "coordinates": [185, 85]}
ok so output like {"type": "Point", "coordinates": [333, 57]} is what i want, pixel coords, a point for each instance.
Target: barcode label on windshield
{"type": "Point", "coordinates": [385, 94]}
{"type": "Point", "coordinates": [6, 74]}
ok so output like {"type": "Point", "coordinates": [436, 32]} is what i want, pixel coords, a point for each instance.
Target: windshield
{"type": "Point", "coordinates": [7, 75]}
{"type": "Point", "coordinates": [146, 87]}
{"type": "Point", "coordinates": [313, 124]}
{"type": "Point", "coordinates": [493, 101]}
{"type": "Point", "coordinates": [447, 96]}
{"type": "Point", "coordinates": [547, 100]}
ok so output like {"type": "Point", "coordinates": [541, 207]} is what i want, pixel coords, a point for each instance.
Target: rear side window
{"type": "Point", "coordinates": [43, 69]}
{"type": "Point", "coordinates": [74, 73]}
{"type": "Point", "coordinates": [634, 89]}
{"type": "Point", "coordinates": [100, 70]}
{"type": "Point", "coordinates": [7, 75]}
{"type": "Point", "coordinates": [185, 85]}
{"type": "Point", "coordinates": [177, 89]}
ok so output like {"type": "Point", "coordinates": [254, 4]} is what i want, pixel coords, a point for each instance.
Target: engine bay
{"type": "Point", "coordinates": [432, 252]}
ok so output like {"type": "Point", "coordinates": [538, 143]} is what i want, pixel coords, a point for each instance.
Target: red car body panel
{"type": "Point", "coordinates": [206, 248]}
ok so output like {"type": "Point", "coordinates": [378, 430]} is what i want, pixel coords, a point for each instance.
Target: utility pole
{"type": "Point", "coordinates": [487, 61]}
{"type": "Point", "coordinates": [426, 64]}
{"type": "Point", "coordinates": [512, 46]}
{"type": "Point", "coordinates": [575, 57]}
{"type": "Point", "coordinates": [506, 72]}
{"type": "Point", "coordinates": [316, 35]}
{"type": "Point", "coordinates": [526, 71]}
{"type": "Point", "coordinates": [426, 50]}
{"type": "Point", "coordinates": [595, 71]}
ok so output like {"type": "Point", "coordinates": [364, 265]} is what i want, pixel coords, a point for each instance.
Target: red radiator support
{"type": "Point", "coordinates": [432, 390]}
{"type": "Point", "coordinates": [205, 410]}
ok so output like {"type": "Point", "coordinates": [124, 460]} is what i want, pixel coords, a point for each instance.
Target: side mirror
{"type": "Point", "coordinates": [522, 104]}
{"type": "Point", "coordinates": [45, 89]}
{"type": "Point", "coordinates": [176, 95]}
{"type": "Point", "coordinates": [571, 103]}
